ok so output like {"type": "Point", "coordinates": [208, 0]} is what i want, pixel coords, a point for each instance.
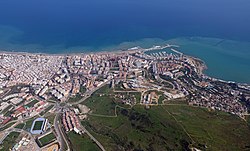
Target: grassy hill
{"type": "Point", "coordinates": [166, 127]}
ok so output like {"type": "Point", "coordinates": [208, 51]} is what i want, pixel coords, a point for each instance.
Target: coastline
{"type": "Point", "coordinates": [59, 54]}
{"type": "Point", "coordinates": [210, 69]}
{"type": "Point", "coordinates": [138, 48]}
{"type": "Point", "coordinates": [202, 68]}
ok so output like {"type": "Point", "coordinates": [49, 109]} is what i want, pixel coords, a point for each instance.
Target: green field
{"type": "Point", "coordinates": [75, 98]}
{"type": "Point", "coordinates": [46, 139]}
{"type": "Point", "coordinates": [138, 129]}
{"type": "Point", "coordinates": [217, 130]}
{"type": "Point", "coordinates": [167, 127]}
{"type": "Point", "coordinates": [161, 99]}
{"type": "Point", "coordinates": [9, 141]}
{"type": "Point", "coordinates": [38, 125]}
{"type": "Point", "coordinates": [103, 102]}
{"type": "Point", "coordinates": [171, 127]}
{"type": "Point", "coordinates": [81, 142]}
{"type": "Point", "coordinates": [28, 123]}
{"type": "Point", "coordinates": [82, 89]}
{"type": "Point", "coordinates": [20, 126]}
{"type": "Point", "coordinates": [50, 117]}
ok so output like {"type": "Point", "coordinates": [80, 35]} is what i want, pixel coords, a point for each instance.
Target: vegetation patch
{"type": "Point", "coordinates": [81, 142]}
{"type": "Point", "coordinates": [101, 102]}
{"type": "Point", "coordinates": [138, 129]}
{"type": "Point", "coordinates": [167, 127]}
{"type": "Point", "coordinates": [9, 141]}
{"type": "Point", "coordinates": [75, 98]}
{"type": "Point", "coordinates": [50, 117]}
{"type": "Point", "coordinates": [20, 126]}
{"type": "Point", "coordinates": [212, 130]}
{"type": "Point", "coordinates": [82, 89]}
{"type": "Point", "coordinates": [28, 123]}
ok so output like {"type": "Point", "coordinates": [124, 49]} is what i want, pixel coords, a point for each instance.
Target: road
{"type": "Point", "coordinates": [89, 93]}
{"type": "Point", "coordinates": [130, 91]}
{"type": "Point", "coordinates": [5, 135]}
{"type": "Point", "coordinates": [18, 121]}
{"type": "Point", "coordinates": [180, 125]}
{"type": "Point", "coordinates": [93, 138]}
{"type": "Point", "coordinates": [57, 126]}
{"type": "Point", "coordinates": [61, 138]}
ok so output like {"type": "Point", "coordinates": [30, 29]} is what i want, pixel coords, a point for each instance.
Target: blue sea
{"type": "Point", "coordinates": [69, 26]}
